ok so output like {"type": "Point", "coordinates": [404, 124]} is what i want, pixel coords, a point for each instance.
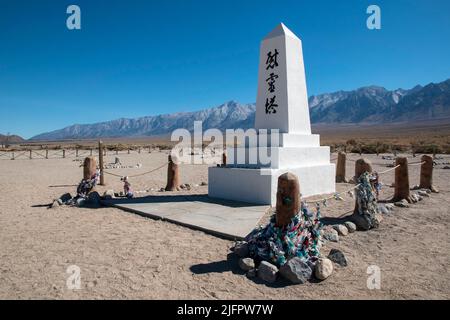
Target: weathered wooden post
{"type": "Point", "coordinates": [426, 174]}
{"type": "Point", "coordinates": [64, 154]}
{"type": "Point", "coordinates": [139, 150]}
{"type": "Point", "coordinates": [361, 166]}
{"type": "Point", "coordinates": [173, 175]}
{"type": "Point", "coordinates": [100, 163]}
{"type": "Point", "coordinates": [401, 191]}
{"type": "Point", "coordinates": [31, 154]}
{"type": "Point", "coordinates": [288, 199]}
{"type": "Point", "coordinates": [91, 152]}
{"type": "Point", "coordinates": [224, 159]}
{"type": "Point", "coordinates": [128, 151]}
{"type": "Point", "coordinates": [340, 167]}
{"type": "Point", "coordinates": [13, 156]}
{"type": "Point", "coordinates": [46, 153]}
{"type": "Point", "coordinates": [89, 168]}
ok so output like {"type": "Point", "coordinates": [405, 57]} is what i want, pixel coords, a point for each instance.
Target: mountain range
{"type": "Point", "coordinates": [366, 105]}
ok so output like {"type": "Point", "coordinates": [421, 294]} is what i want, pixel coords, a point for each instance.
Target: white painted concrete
{"type": "Point", "coordinates": [259, 186]}
{"type": "Point", "coordinates": [253, 169]}
{"type": "Point", "coordinates": [292, 113]}
{"type": "Point", "coordinates": [283, 158]}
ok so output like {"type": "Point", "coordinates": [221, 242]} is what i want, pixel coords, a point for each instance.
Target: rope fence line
{"type": "Point", "coordinates": [46, 153]}
{"type": "Point", "coordinates": [388, 170]}
{"type": "Point", "coordinates": [334, 196]}
{"type": "Point", "coordinates": [337, 196]}
{"type": "Point", "coordinates": [136, 175]}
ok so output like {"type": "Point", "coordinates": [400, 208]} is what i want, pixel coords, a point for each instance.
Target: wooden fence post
{"type": "Point", "coordinates": [426, 174]}
{"type": "Point", "coordinates": [89, 168]}
{"type": "Point", "coordinates": [224, 159]}
{"type": "Point", "coordinates": [31, 154]}
{"type": "Point", "coordinates": [340, 167]}
{"type": "Point", "coordinates": [64, 154]}
{"type": "Point", "coordinates": [100, 160]}
{"type": "Point", "coordinates": [173, 175]}
{"type": "Point", "coordinates": [401, 191]}
{"type": "Point", "coordinates": [288, 198]}
{"type": "Point", "coordinates": [46, 153]}
{"type": "Point", "coordinates": [361, 166]}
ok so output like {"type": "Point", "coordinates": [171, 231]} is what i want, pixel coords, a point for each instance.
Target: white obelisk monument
{"type": "Point", "coordinates": [282, 112]}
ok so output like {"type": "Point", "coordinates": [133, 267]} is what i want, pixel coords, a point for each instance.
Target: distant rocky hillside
{"type": "Point", "coordinates": [228, 115]}
{"type": "Point", "coordinates": [374, 105]}
{"type": "Point", "coordinates": [10, 139]}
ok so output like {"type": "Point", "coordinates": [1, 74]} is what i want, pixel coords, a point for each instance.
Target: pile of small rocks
{"type": "Point", "coordinates": [295, 270]}
{"type": "Point", "coordinates": [92, 200]}
{"type": "Point", "coordinates": [333, 232]}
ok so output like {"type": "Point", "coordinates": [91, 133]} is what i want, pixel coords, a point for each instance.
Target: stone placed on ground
{"type": "Point", "coordinates": [323, 268]}
{"type": "Point", "coordinates": [65, 197]}
{"type": "Point", "coordinates": [296, 270]}
{"type": "Point", "coordinates": [383, 209]}
{"type": "Point", "coordinates": [246, 264]}
{"type": "Point", "coordinates": [203, 183]}
{"type": "Point", "coordinates": [389, 206]}
{"type": "Point", "coordinates": [241, 249]}
{"type": "Point", "coordinates": [423, 193]}
{"type": "Point", "coordinates": [337, 256]}
{"type": "Point", "coordinates": [93, 200]}
{"type": "Point", "coordinates": [402, 204]}
{"type": "Point", "coordinates": [251, 273]}
{"type": "Point", "coordinates": [351, 227]}
{"type": "Point", "coordinates": [341, 229]}
{"type": "Point", "coordinates": [360, 221]}
{"type": "Point", "coordinates": [417, 197]}
{"type": "Point", "coordinates": [109, 194]}
{"type": "Point", "coordinates": [331, 235]}
{"type": "Point", "coordinates": [80, 202]}
{"type": "Point", "coordinates": [267, 272]}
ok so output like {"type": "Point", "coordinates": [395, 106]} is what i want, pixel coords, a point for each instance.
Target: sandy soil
{"type": "Point", "coordinates": [122, 255]}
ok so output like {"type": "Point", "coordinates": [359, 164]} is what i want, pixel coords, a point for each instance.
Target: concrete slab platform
{"type": "Point", "coordinates": [224, 218]}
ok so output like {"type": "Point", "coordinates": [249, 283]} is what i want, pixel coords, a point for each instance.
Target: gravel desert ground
{"type": "Point", "coordinates": [124, 256]}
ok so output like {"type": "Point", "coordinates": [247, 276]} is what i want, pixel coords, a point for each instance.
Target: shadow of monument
{"type": "Point", "coordinates": [177, 198]}
{"type": "Point", "coordinates": [326, 221]}
{"type": "Point", "coordinates": [231, 264]}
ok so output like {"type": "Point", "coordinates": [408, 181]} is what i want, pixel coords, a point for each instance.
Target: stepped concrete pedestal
{"type": "Point", "coordinates": [284, 142]}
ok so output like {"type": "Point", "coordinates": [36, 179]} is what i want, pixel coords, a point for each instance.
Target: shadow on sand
{"type": "Point", "coordinates": [231, 264]}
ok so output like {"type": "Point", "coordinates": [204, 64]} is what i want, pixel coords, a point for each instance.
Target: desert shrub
{"type": "Point", "coordinates": [428, 148]}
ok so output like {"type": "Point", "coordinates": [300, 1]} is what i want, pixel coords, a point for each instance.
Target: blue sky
{"type": "Point", "coordinates": [136, 58]}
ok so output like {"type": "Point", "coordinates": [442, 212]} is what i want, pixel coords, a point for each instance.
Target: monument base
{"type": "Point", "coordinates": [259, 186]}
